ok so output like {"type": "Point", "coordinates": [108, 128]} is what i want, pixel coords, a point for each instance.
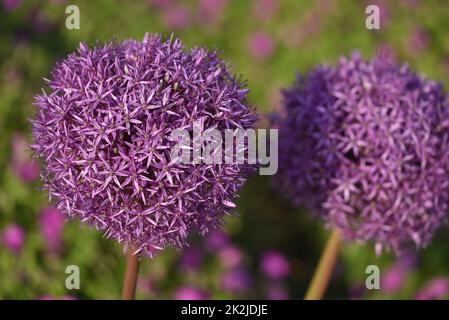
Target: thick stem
{"type": "Point", "coordinates": [324, 269]}
{"type": "Point", "coordinates": [130, 281]}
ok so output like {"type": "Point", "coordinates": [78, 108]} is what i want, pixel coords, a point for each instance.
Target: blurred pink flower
{"type": "Point", "coordinates": [264, 9]}
{"type": "Point", "coordinates": [176, 17]}
{"type": "Point", "coordinates": [276, 292]}
{"type": "Point", "coordinates": [50, 297]}
{"type": "Point", "coordinates": [190, 293]}
{"type": "Point", "coordinates": [386, 51]}
{"type": "Point", "coordinates": [51, 223]}
{"type": "Point", "coordinates": [260, 45]}
{"type": "Point", "coordinates": [274, 265]}
{"type": "Point", "coordinates": [39, 21]}
{"type": "Point", "coordinates": [410, 4]}
{"type": "Point", "coordinates": [216, 240]}
{"type": "Point", "coordinates": [12, 76]}
{"type": "Point", "coordinates": [235, 281]}
{"type": "Point", "coordinates": [145, 285]}
{"type": "Point", "coordinates": [230, 256]}
{"type": "Point", "coordinates": [10, 5]}
{"type": "Point", "coordinates": [28, 172]}
{"type": "Point", "coordinates": [162, 4]}
{"type": "Point", "coordinates": [13, 237]}
{"type": "Point", "coordinates": [210, 10]}
{"type": "Point", "coordinates": [22, 165]}
{"type": "Point", "coordinates": [418, 41]}
{"type": "Point", "coordinates": [437, 288]}
{"type": "Point", "coordinates": [310, 24]}
{"type": "Point", "coordinates": [356, 290]}
{"type": "Point", "coordinates": [191, 258]}
{"type": "Point", "coordinates": [394, 278]}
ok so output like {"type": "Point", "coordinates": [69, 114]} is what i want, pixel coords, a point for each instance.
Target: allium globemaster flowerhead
{"type": "Point", "coordinates": [104, 135]}
{"type": "Point", "coordinates": [365, 146]}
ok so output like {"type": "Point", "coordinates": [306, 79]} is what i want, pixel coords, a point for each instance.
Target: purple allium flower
{"type": "Point", "coordinates": [190, 293]}
{"type": "Point", "coordinates": [104, 135]}
{"type": "Point", "coordinates": [230, 256]}
{"type": "Point", "coordinates": [437, 288]}
{"type": "Point", "coordinates": [260, 45]}
{"type": "Point", "coordinates": [13, 237]}
{"type": "Point", "coordinates": [236, 281]}
{"type": "Point", "coordinates": [51, 225]}
{"type": "Point", "coordinates": [274, 265]}
{"type": "Point", "coordinates": [365, 147]}
{"type": "Point", "coordinates": [191, 258]}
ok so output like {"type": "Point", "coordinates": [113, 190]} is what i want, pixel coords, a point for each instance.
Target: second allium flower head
{"type": "Point", "coordinates": [365, 145]}
{"type": "Point", "coordinates": [104, 135]}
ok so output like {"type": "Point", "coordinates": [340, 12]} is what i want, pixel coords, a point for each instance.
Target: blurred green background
{"type": "Point", "coordinates": [267, 41]}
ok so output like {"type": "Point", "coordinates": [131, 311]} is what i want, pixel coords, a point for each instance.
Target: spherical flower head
{"type": "Point", "coordinates": [104, 134]}
{"type": "Point", "coordinates": [274, 265]}
{"type": "Point", "coordinates": [365, 147]}
{"type": "Point", "coordinates": [13, 237]}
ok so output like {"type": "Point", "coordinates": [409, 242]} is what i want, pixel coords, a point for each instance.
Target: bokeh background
{"type": "Point", "coordinates": [269, 249]}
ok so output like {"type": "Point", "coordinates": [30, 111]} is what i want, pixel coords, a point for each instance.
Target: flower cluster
{"type": "Point", "coordinates": [104, 135]}
{"type": "Point", "coordinates": [365, 145]}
